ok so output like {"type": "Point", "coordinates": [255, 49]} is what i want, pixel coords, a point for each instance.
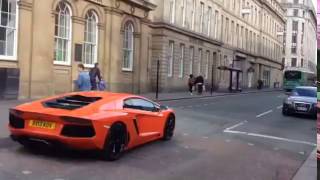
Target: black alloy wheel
{"type": "Point", "coordinates": [115, 143]}
{"type": "Point", "coordinates": [169, 128]}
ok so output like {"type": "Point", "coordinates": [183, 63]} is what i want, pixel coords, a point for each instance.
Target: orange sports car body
{"type": "Point", "coordinates": [110, 122]}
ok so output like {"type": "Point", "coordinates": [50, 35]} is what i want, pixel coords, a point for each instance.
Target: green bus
{"type": "Point", "coordinates": [294, 78]}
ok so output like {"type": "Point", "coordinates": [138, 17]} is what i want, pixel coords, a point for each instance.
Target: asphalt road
{"type": "Point", "coordinates": [228, 138]}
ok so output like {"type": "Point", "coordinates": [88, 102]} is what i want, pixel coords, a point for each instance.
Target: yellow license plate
{"type": "Point", "coordinates": [42, 124]}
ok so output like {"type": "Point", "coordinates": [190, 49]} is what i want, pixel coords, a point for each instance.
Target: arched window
{"type": "Point", "coordinates": [128, 39]}
{"type": "Point", "coordinates": [90, 38]}
{"type": "Point", "coordinates": [62, 34]}
{"type": "Point", "coordinates": [8, 29]}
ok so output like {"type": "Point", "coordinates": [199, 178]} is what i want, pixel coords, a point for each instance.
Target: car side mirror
{"type": "Point", "coordinates": [162, 107]}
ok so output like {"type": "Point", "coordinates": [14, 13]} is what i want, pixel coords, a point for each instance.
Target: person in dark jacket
{"type": "Point", "coordinates": [94, 74]}
{"type": "Point", "coordinates": [191, 81]}
{"type": "Point", "coordinates": [199, 83]}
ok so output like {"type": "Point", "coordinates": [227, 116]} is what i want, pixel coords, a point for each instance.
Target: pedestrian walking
{"type": "Point", "coordinates": [199, 83]}
{"type": "Point", "coordinates": [260, 84]}
{"type": "Point", "coordinates": [83, 81]}
{"type": "Point", "coordinates": [94, 75]}
{"type": "Point", "coordinates": [191, 81]}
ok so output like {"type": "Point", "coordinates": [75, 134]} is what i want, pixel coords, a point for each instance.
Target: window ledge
{"type": "Point", "coordinates": [8, 58]}
{"type": "Point", "coordinates": [61, 63]}
{"type": "Point", "coordinates": [127, 70]}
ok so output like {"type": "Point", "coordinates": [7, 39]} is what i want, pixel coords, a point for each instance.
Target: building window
{"type": "Point", "coordinates": [207, 65]}
{"type": "Point", "coordinates": [171, 56]}
{"type": "Point", "coordinates": [8, 29]}
{"type": "Point", "coordinates": [62, 53]}
{"type": "Point", "coordinates": [301, 62]}
{"type": "Point", "coordinates": [294, 62]}
{"type": "Point", "coordinates": [294, 38]}
{"type": "Point", "coordinates": [209, 20]}
{"type": "Point", "coordinates": [294, 25]}
{"type": "Point", "coordinates": [216, 24]}
{"type": "Point", "coordinates": [294, 49]}
{"type": "Point", "coordinates": [193, 13]}
{"type": "Point", "coordinates": [172, 7]}
{"type": "Point", "coordinates": [201, 17]}
{"type": "Point", "coordinates": [200, 61]}
{"type": "Point", "coordinates": [295, 12]}
{"type": "Point", "coordinates": [184, 10]}
{"type": "Point", "coordinates": [191, 60]}
{"type": "Point", "coordinates": [181, 67]}
{"type": "Point", "coordinates": [91, 38]}
{"type": "Point", "coordinates": [128, 45]}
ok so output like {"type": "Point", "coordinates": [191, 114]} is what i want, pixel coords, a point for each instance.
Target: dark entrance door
{"type": "Point", "coordinates": [9, 83]}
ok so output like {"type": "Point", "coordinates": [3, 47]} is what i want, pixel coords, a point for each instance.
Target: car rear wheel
{"type": "Point", "coordinates": [115, 142]}
{"type": "Point", "coordinates": [169, 128]}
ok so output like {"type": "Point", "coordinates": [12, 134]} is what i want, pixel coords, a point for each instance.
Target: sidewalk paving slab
{"type": "Point", "coordinates": [308, 171]}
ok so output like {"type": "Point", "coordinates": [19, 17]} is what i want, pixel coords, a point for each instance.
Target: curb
{"type": "Point", "coordinates": [218, 95]}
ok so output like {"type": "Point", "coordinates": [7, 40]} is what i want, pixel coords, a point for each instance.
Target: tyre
{"type": "Point", "coordinates": [285, 111]}
{"type": "Point", "coordinates": [115, 142]}
{"type": "Point", "coordinates": [169, 128]}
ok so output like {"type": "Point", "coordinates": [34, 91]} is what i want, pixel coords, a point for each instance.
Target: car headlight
{"type": "Point", "coordinates": [289, 102]}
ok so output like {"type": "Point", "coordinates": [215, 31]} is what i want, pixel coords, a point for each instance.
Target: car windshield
{"type": "Point", "coordinates": [304, 92]}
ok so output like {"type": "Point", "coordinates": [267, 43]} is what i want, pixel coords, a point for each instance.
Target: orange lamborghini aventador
{"type": "Point", "coordinates": [108, 122]}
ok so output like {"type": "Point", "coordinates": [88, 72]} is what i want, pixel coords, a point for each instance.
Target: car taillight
{"type": "Point", "coordinates": [16, 121]}
{"type": "Point", "coordinates": [78, 121]}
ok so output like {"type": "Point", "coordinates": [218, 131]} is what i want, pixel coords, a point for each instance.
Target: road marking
{"type": "Point", "coordinates": [185, 134]}
{"type": "Point", "coordinates": [234, 126]}
{"type": "Point", "coordinates": [302, 153]}
{"type": "Point", "coordinates": [279, 107]}
{"type": "Point", "coordinates": [265, 113]}
{"type": "Point", "coordinates": [186, 147]}
{"type": "Point", "coordinates": [26, 172]}
{"type": "Point", "coordinates": [227, 140]}
{"type": "Point", "coordinates": [250, 144]}
{"type": "Point", "coordinates": [276, 149]}
{"type": "Point", "coordinates": [205, 137]}
{"type": "Point", "coordinates": [271, 137]}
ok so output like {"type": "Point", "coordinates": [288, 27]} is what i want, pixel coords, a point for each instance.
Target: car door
{"type": "Point", "coordinates": [148, 119]}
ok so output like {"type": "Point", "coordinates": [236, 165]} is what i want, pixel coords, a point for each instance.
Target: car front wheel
{"type": "Point", "coordinates": [285, 110]}
{"type": "Point", "coordinates": [169, 128]}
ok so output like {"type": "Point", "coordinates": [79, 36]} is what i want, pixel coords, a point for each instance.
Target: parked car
{"type": "Point", "coordinates": [302, 100]}
{"type": "Point", "coordinates": [109, 122]}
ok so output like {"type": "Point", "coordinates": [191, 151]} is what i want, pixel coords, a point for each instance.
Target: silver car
{"type": "Point", "coordinates": [302, 100]}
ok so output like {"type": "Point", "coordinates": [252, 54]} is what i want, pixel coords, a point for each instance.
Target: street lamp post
{"type": "Point", "coordinates": [158, 74]}
{"type": "Point", "coordinates": [212, 70]}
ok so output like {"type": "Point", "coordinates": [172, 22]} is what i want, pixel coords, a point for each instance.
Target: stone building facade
{"type": "Point", "coordinates": [300, 35]}
{"type": "Point", "coordinates": [42, 42]}
{"type": "Point", "coordinates": [199, 36]}
{"type": "Point", "coordinates": [39, 39]}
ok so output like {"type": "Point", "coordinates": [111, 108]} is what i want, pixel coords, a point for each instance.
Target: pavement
{"type": "Point", "coordinates": [243, 136]}
{"type": "Point", "coordinates": [169, 96]}
{"type": "Point", "coordinates": [308, 169]}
